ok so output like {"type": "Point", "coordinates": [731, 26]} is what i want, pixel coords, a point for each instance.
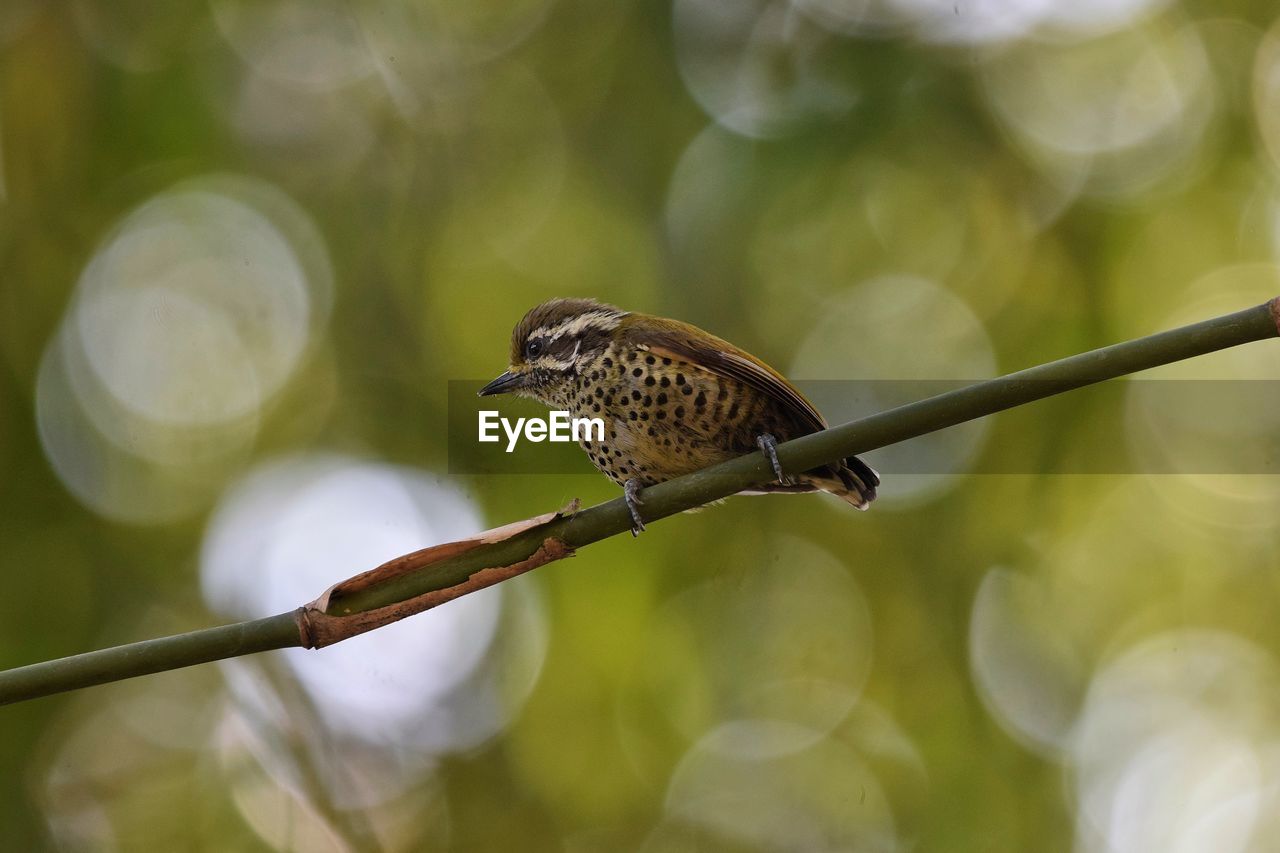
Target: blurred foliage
{"type": "Point", "coordinates": [245, 247]}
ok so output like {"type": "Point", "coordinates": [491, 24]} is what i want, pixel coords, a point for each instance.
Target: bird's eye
{"type": "Point", "coordinates": [532, 348]}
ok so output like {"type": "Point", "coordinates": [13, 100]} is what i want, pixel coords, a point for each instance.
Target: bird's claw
{"type": "Point", "coordinates": [769, 446]}
{"type": "Point", "coordinates": [631, 494]}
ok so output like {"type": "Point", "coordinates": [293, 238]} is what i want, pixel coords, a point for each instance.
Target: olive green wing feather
{"type": "Point", "coordinates": [674, 339]}
{"type": "Point", "coordinates": [683, 342]}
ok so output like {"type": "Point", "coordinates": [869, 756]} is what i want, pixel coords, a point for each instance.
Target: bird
{"type": "Point", "coordinates": [673, 398]}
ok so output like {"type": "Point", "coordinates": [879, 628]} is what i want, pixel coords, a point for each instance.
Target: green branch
{"type": "Point", "coordinates": [426, 579]}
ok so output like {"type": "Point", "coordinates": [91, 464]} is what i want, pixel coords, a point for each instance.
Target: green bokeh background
{"type": "Point", "coordinates": [884, 190]}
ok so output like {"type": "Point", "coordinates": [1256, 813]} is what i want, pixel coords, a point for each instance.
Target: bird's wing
{"type": "Point", "coordinates": [683, 342]}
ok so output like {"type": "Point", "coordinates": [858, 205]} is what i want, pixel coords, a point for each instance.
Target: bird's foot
{"type": "Point", "coordinates": [769, 446]}
{"type": "Point", "coordinates": [631, 494]}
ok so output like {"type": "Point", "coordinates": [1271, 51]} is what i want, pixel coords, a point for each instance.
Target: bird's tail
{"type": "Point", "coordinates": [859, 481]}
{"type": "Point", "coordinates": [851, 480]}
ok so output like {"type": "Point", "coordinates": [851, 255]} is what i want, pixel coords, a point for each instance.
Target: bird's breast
{"type": "Point", "coordinates": [664, 417]}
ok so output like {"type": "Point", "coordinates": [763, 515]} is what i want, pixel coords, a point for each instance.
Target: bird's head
{"type": "Point", "coordinates": [551, 345]}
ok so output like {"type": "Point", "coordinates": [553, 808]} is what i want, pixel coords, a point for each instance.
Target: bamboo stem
{"type": "Point", "coordinates": [701, 487]}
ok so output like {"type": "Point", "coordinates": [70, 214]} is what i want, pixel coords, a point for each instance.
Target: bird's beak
{"type": "Point", "coordinates": [506, 382]}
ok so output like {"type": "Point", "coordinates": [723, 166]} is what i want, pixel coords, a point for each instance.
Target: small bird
{"type": "Point", "coordinates": [673, 398]}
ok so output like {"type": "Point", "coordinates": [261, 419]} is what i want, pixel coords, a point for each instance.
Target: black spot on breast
{"type": "Point", "coordinates": [701, 399]}
{"type": "Point", "coordinates": [637, 372]}
{"type": "Point", "coordinates": [679, 378]}
{"type": "Point", "coordinates": [633, 415]}
{"type": "Point", "coordinates": [688, 389]}
{"type": "Point", "coordinates": [635, 395]}
{"type": "Point", "coordinates": [662, 399]}
{"type": "Point", "coordinates": [649, 380]}
{"type": "Point", "coordinates": [648, 401]}
{"type": "Point", "coordinates": [649, 359]}
{"type": "Point", "coordinates": [679, 411]}
{"type": "Point", "coordinates": [599, 391]}
{"type": "Point", "coordinates": [661, 414]}
{"type": "Point", "coordinates": [608, 362]}
{"type": "Point", "coordinates": [667, 361]}
{"type": "Point", "coordinates": [733, 410]}
{"type": "Point", "coordinates": [666, 380]}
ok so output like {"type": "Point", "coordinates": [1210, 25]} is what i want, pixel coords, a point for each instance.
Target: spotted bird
{"type": "Point", "coordinates": [673, 398]}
